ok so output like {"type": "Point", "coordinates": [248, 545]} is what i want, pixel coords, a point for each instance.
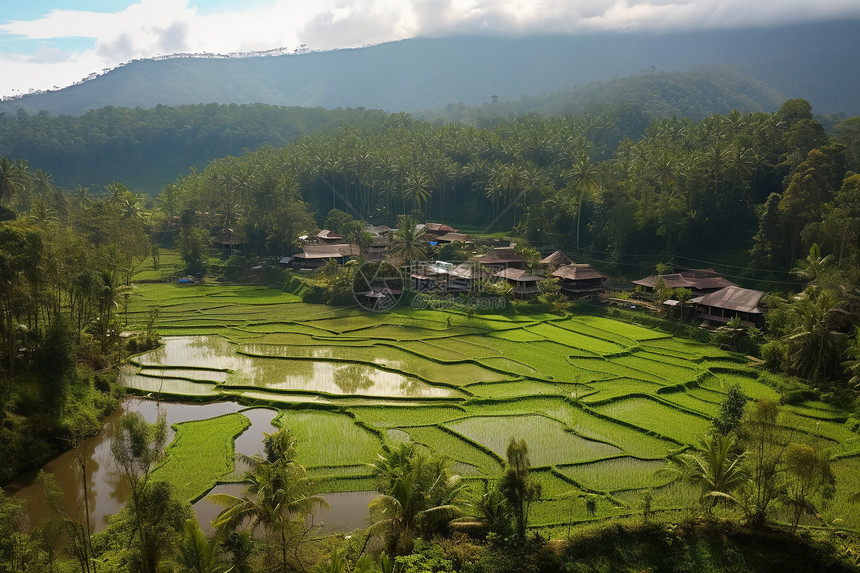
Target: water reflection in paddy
{"type": "Point", "coordinates": [107, 493]}
{"type": "Point", "coordinates": [205, 355]}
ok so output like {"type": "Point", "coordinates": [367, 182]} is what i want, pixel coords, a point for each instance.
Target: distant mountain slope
{"type": "Point", "coordinates": [695, 94]}
{"type": "Point", "coordinates": [817, 62]}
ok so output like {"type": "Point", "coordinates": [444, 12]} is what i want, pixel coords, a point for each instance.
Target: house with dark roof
{"type": "Point", "coordinates": [330, 237]}
{"type": "Point", "coordinates": [700, 281]}
{"type": "Point", "coordinates": [452, 238]}
{"type": "Point", "coordinates": [465, 276]}
{"type": "Point", "coordinates": [314, 256]}
{"type": "Point", "coordinates": [437, 229]}
{"type": "Point", "coordinates": [500, 258]}
{"type": "Point", "coordinates": [579, 279]}
{"type": "Point", "coordinates": [555, 260]}
{"type": "Point", "coordinates": [730, 302]}
{"type": "Point", "coordinates": [522, 284]}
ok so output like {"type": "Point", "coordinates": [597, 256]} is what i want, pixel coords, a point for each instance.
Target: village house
{"type": "Point", "coordinates": [579, 280]}
{"type": "Point", "coordinates": [522, 284]}
{"type": "Point", "coordinates": [699, 281]}
{"type": "Point", "coordinates": [730, 302]}
{"type": "Point", "coordinates": [465, 276]}
{"type": "Point", "coordinates": [315, 256]}
{"type": "Point", "coordinates": [556, 260]}
{"type": "Point", "coordinates": [501, 258]}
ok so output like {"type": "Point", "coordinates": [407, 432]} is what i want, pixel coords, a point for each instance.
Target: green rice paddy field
{"type": "Point", "coordinates": [601, 403]}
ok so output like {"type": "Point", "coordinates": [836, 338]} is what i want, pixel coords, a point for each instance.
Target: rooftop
{"type": "Point", "coordinates": [732, 298]}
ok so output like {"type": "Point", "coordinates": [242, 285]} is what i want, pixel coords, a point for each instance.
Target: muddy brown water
{"type": "Point", "coordinates": [107, 493]}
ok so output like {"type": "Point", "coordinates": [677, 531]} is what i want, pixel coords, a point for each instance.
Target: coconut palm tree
{"type": "Point", "coordinates": [419, 495]}
{"type": "Point", "coordinates": [12, 180]}
{"type": "Point", "coordinates": [714, 469]}
{"type": "Point", "coordinates": [582, 179]}
{"type": "Point", "coordinates": [277, 496]}
{"type": "Point", "coordinates": [409, 243]}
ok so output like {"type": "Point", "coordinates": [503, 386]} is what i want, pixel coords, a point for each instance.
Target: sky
{"type": "Point", "coordinates": [50, 44]}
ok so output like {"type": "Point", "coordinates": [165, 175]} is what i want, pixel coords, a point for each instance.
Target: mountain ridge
{"type": "Point", "coordinates": [813, 61]}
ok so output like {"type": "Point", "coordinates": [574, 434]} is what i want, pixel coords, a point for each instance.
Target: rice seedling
{"type": "Point", "coordinates": [549, 443]}
{"type": "Point", "coordinates": [841, 508]}
{"type": "Point", "coordinates": [456, 448]}
{"type": "Point", "coordinates": [656, 417]}
{"type": "Point", "coordinates": [329, 438]}
{"type": "Point", "coordinates": [618, 387]}
{"type": "Point", "coordinates": [166, 387]}
{"type": "Point", "coordinates": [623, 473]}
{"type": "Point", "coordinates": [576, 340]}
{"type": "Point", "coordinates": [603, 369]}
{"type": "Point", "coordinates": [667, 371]}
{"type": "Point", "coordinates": [750, 386]}
{"type": "Point", "coordinates": [630, 331]}
{"type": "Point", "coordinates": [518, 335]}
{"type": "Point", "coordinates": [691, 402]}
{"type": "Point", "coordinates": [634, 442]}
{"type": "Point", "coordinates": [552, 485]}
{"type": "Point", "coordinates": [572, 509]}
{"type": "Point", "coordinates": [581, 325]}
{"type": "Point", "coordinates": [200, 454]}
{"type": "Point", "coordinates": [380, 416]}
{"type": "Point", "coordinates": [678, 495]}
{"type": "Point", "coordinates": [514, 389]}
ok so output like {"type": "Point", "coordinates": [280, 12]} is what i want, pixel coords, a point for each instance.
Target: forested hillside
{"type": "Point", "coordinates": [148, 148]}
{"type": "Point", "coordinates": [710, 189]}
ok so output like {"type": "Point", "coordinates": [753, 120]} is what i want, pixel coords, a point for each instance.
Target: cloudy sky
{"type": "Point", "coordinates": [52, 43]}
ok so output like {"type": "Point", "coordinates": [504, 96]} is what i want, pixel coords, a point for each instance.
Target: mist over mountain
{"type": "Point", "coordinates": [816, 62]}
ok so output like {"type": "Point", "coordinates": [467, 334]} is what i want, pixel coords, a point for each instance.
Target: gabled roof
{"type": "Point", "coordinates": [557, 258]}
{"type": "Point", "coordinates": [327, 235]}
{"type": "Point", "coordinates": [453, 238]}
{"type": "Point", "coordinates": [696, 279]}
{"type": "Point", "coordinates": [500, 255]}
{"type": "Point", "coordinates": [438, 228]}
{"type": "Point", "coordinates": [578, 273]}
{"type": "Point", "coordinates": [517, 275]}
{"type": "Point", "coordinates": [326, 251]}
{"type": "Point", "coordinates": [732, 298]}
{"type": "Point", "coordinates": [469, 271]}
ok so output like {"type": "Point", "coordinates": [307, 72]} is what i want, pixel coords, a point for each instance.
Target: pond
{"type": "Point", "coordinates": [107, 493]}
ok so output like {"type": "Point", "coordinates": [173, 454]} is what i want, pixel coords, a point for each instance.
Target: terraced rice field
{"type": "Point", "coordinates": [601, 403]}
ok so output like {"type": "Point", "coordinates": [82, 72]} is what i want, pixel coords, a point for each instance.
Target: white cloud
{"type": "Point", "coordinates": [149, 28]}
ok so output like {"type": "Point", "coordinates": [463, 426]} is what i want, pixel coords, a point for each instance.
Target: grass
{"type": "Point", "coordinates": [456, 448]}
{"type": "Point", "coordinates": [200, 454]}
{"type": "Point", "coordinates": [623, 473]}
{"type": "Point", "coordinates": [328, 439]}
{"type": "Point", "coordinates": [548, 440]}
{"type": "Point", "coordinates": [657, 417]}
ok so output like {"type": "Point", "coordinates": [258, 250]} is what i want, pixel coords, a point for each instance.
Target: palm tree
{"type": "Point", "coordinates": [277, 496]}
{"type": "Point", "coordinates": [816, 344]}
{"type": "Point", "coordinates": [12, 180]}
{"type": "Point", "coordinates": [419, 495]}
{"type": "Point", "coordinates": [714, 469]}
{"type": "Point", "coordinates": [196, 555]}
{"type": "Point", "coordinates": [417, 188]}
{"type": "Point", "coordinates": [409, 243]}
{"type": "Point", "coordinates": [582, 179]}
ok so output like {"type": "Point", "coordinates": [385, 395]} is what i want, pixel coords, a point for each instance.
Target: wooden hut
{"type": "Point", "coordinates": [521, 282]}
{"type": "Point", "coordinates": [700, 281]}
{"type": "Point", "coordinates": [730, 302]}
{"type": "Point", "coordinates": [578, 280]}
